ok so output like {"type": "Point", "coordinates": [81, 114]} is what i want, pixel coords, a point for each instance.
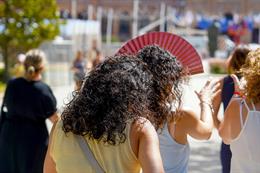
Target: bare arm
{"type": "Point", "coordinates": [230, 127]}
{"type": "Point", "coordinates": [225, 127]}
{"type": "Point", "coordinates": [202, 128]}
{"type": "Point", "coordinates": [149, 153]}
{"type": "Point", "coordinates": [196, 128]}
{"type": "Point", "coordinates": [49, 164]}
{"type": "Point", "coordinates": [206, 115]}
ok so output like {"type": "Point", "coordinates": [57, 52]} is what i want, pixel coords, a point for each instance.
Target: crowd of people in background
{"type": "Point", "coordinates": [240, 29]}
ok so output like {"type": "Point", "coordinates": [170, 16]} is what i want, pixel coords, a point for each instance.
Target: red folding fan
{"type": "Point", "coordinates": [175, 44]}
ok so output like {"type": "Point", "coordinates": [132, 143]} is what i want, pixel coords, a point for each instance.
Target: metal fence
{"type": "Point", "coordinates": [59, 59]}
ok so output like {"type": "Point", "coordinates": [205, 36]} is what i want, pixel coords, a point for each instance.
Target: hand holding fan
{"type": "Point", "coordinates": [175, 44]}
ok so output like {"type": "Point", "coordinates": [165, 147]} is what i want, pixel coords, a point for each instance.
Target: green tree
{"type": "Point", "coordinates": [25, 25]}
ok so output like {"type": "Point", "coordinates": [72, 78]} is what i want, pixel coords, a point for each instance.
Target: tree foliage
{"type": "Point", "coordinates": [25, 24]}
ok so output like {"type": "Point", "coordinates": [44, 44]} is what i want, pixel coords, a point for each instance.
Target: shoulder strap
{"type": "Point", "coordinates": [253, 105]}
{"type": "Point", "coordinates": [174, 129]}
{"type": "Point", "coordinates": [241, 112]}
{"type": "Point", "coordinates": [247, 107]}
{"type": "Point", "coordinates": [89, 155]}
{"type": "Point", "coordinates": [243, 101]}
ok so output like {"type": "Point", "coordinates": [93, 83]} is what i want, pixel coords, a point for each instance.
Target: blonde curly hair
{"type": "Point", "coordinates": [251, 72]}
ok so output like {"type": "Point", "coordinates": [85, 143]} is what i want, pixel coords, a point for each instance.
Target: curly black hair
{"type": "Point", "coordinates": [168, 75]}
{"type": "Point", "coordinates": [124, 88]}
{"type": "Point", "coordinates": [114, 93]}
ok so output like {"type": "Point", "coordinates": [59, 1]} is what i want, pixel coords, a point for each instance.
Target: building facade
{"type": "Point", "coordinates": [149, 10]}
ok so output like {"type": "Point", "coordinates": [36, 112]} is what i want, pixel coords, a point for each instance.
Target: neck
{"type": "Point", "coordinates": [35, 77]}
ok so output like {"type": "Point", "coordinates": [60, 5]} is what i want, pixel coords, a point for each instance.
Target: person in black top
{"type": "Point", "coordinates": [27, 103]}
{"type": "Point", "coordinates": [235, 62]}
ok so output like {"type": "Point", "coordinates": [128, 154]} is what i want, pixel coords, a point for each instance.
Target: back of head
{"type": "Point", "coordinates": [113, 93]}
{"type": "Point", "coordinates": [237, 59]}
{"type": "Point", "coordinates": [251, 72]}
{"type": "Point", "coordinates": [168, 74]}
{"type": "Point", "coordinates": [34, 62]}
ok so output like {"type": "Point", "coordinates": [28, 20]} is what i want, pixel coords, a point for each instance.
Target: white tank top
{"type": "Point", "coordinates": [246, 147]}
{"type": "Point", "coordinates": [175, 156]}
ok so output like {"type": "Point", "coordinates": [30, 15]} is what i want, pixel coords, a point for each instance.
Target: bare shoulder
{"type": "Point", "coordinates": [142, 126]}
{"type": "Point", "coordinates": [230, 126]}
{"type": "Point", "coordinates": [142, 130]}
{"type": "Point", "coordinates": [147, 146]}
{"type": "Point", "coordinates": [233, 105]}
{"type": "Point", "coordinates": [233, 108]}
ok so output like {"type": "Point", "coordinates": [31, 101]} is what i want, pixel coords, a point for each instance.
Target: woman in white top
{"type": "Point", "coordinates": [241, 124]}
{"type": "Point", "coordinates": [173, 134]}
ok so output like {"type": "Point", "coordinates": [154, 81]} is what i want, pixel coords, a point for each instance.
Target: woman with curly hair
{"type": "Point", "coordinates": [112, 112]}
{"type": "Point", "coordinates": [241, 124]}
{"type": "Point", "coordinates": [168, 76]}
{"type": "Point", "coordinates": [234, 63]}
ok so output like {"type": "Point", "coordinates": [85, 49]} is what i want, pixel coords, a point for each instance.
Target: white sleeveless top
{"type": "Point", "coordinates": [246, 147]}
{"type": "Point", "coordinates": [175, 156]}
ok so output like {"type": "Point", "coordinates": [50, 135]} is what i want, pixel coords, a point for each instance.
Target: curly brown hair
{"type": "Point", "coordinates": [251, 72]}
{"type": "Point", "coordinates": [237, 59]}
{"type": "Point", "coordinates": [168, 75]}
{"type": "Point", "coordinates": [124, 88]}
{"type": "Point", "coordinates": [114, 93]}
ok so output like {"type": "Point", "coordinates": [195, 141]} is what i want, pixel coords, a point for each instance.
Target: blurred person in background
{"type": "Point", "coordinates": [79, 69]}
{"type": "Point", "coordinates": [213, 33]}
{"type": "Point", "coordinates": [240, 126]}
{"type": "Point", "coordinates": [27, 103]}
{"type": "Point", "coordinates": [92, 54]}
{"type": "Point", "coordinates": [98, 59]}
{"type": "Point", "coordinates": [234, 63]}
{"type": "Point", "coordinates": [111, 113]}
{"type": "Point", "coordinates": [239, 32]}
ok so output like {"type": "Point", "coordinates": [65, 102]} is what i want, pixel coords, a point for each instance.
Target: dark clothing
{"type": "Point", "coordinates": [225, 152]}
{"type": "Point", "coordinates": [213, 39]}
{"type": "Point", "coordinates": [255, 35]}
{"type": "Point", "coordinates": [23, 132]}
{"type": "Point", "coordinates": [225, 155]}
{"type": "Point", "coordinates": [227, 91]}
